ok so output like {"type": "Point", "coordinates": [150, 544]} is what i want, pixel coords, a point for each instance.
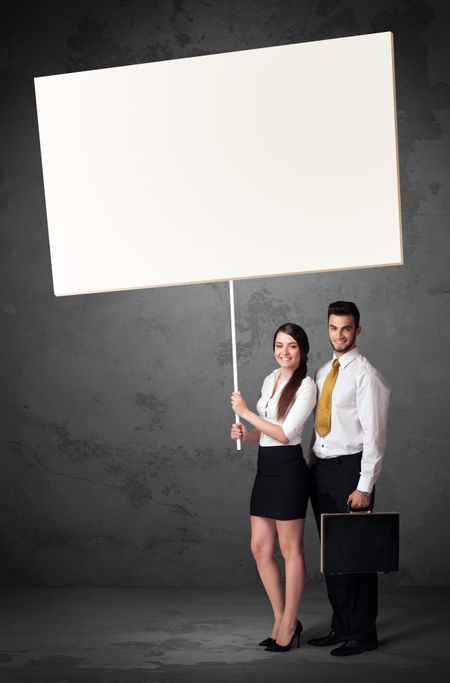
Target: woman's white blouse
{"type": "Point", "coordinates": [298, 413]}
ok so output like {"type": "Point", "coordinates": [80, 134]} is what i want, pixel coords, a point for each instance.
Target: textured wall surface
{"type": "Point", "coordinates": [115, 458]}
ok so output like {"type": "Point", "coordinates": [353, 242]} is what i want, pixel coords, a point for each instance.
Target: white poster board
{"type": "Point", "coordinates": [246, 164]}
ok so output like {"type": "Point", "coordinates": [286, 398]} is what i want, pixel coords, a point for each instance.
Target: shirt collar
{"type": "Point", "coordinates": [277, 373]}
{"type": "Point", "coordinates": [347, 358]}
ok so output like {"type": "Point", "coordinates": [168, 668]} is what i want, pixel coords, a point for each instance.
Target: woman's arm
{"type": "Point", "coordinates": [239, 406]}
{"type": "Point", "coordinates": [300, 410]}
{"type": "Point", "coordinates": [240, 431]}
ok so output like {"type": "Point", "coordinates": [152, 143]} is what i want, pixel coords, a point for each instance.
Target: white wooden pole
{"type": "Point", "coordinates": [233, 351]}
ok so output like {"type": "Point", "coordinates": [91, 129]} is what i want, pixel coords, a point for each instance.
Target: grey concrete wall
{"type": "Point", "coordinates": [115, 458]}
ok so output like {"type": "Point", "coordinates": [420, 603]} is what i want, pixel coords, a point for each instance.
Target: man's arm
{"type": "Point", "coordinates": [372, 401]}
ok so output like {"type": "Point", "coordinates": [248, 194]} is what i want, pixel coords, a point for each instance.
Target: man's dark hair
{"type": "Point", "coordinates": [344, 308]}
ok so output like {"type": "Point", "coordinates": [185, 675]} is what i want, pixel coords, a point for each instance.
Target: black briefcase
{"type": "Point", "coordinates": [359, 542]}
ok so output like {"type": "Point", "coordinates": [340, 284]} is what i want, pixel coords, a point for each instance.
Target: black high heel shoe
{"type": "Point", "coordinates": [275, 647]}
{"type": "Point", "coordinates": [267, 641]}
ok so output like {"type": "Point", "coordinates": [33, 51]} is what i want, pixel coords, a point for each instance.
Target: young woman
{"type": "Point", "coordinates": [281, 489]}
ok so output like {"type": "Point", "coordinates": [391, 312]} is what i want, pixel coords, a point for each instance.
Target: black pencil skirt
{"type": "Point", "coordinates": [281, 488]}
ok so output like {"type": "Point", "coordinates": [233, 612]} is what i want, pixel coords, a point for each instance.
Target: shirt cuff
{"type": "Point", "coordinates": [365, 484]}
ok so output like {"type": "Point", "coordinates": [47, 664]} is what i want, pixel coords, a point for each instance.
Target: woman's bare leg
{"type": "Point", "coordinates": [264, 535]}
{"type": "Point", "coordinates": [290, 537]}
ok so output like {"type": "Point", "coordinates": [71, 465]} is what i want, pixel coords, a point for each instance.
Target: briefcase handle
{"type": "Point", "coordinates": [366, 510]}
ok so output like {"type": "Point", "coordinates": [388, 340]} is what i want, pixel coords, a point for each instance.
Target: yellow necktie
{"type": "Point", "coordinates": [323, 416]}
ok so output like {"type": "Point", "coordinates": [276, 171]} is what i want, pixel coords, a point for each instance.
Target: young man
{"type": "Point", "coordinates": [347, 454]}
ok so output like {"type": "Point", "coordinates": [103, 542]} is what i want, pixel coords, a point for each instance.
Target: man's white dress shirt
{"type": "Point", "coordinates": [359, 412]}
{"type": "Point", "coordinates": [298, 413]}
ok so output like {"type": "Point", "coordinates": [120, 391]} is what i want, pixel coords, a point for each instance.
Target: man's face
{"type": "Point", "coordinates": [342, 332]}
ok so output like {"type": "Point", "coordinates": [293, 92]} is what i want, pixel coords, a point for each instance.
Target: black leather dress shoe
{"type": "Point", "coordinates": [354, 647]}
{"type": "Point", "coordinates": [331, 638]}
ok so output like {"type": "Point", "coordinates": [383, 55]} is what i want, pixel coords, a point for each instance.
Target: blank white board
{"type": "Point", "coordinates": [246, 164]}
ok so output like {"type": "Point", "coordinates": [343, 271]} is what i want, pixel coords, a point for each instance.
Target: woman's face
{"type": "Point", "coordinates": [287, 352]}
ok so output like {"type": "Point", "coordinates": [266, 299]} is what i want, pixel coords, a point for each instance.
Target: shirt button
{"type": "Point", "coordinates": [322, 445]}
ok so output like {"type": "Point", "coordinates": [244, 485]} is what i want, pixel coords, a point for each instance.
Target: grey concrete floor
{"type": "Point", "coordinates": [143, 635]}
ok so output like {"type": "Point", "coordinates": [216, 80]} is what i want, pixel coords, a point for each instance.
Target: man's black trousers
{"type": "Point", "coordinates": [353, 597]}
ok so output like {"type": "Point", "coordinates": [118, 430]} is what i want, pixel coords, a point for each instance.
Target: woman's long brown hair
{"type": "Point", "coordinates": [287, 396]}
